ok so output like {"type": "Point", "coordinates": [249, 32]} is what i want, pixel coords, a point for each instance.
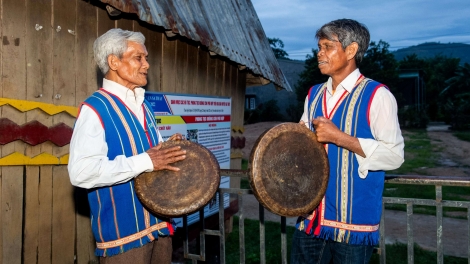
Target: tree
{"type": "Point", "coordinates": [437, 70]}
{"type": "Point", "coordinates": [309, 77]}
{"type": "Point", "coordinates": [456, 98]}
{"type": "Point", "coordinates": [278, 48]}
{"type": "Point", "coordinates": [380, 64]}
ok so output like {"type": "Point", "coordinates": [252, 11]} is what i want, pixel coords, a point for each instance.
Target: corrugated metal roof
{"type": "Point", "coordinates": [229, 28]}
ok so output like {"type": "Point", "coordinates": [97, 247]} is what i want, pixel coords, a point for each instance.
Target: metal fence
{"type": "Point", "coordinates": [437, 181]}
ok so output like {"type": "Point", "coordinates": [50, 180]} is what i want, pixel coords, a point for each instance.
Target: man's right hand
{"type": "Point", "coordinates": [161, 158]}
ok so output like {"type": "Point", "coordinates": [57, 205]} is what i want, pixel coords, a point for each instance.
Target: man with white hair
{"type": "Point", "coordinates": [115, 139]}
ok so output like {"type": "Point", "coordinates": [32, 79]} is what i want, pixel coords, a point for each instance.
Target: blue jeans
{"type": "Point", "coordinates": [307, 249]}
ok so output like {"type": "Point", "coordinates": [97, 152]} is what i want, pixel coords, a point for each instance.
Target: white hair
{"type": "Point", "coordinates": [113, 42]}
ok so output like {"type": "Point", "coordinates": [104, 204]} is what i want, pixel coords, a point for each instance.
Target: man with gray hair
{"type": "Point", "coordinates": [356, 120]}
{"type": "Point", "coordinates": [115, 138]}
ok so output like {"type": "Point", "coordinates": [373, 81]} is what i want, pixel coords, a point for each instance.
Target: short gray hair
{"type": "Point", "coordinates": [113, 42]}
{"type": "Point", "coordinates": [347, 31]}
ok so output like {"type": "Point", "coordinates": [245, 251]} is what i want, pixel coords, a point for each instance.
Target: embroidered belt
{"type": "Point", "coordinates": [128, 239]}
{"type": "Point", "coordinates": [351, 227]}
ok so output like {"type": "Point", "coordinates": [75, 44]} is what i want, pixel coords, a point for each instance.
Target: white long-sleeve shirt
{"type": "Point", "coordinates": [385, 151]}
{"type": "Point", "coordinates": [89, 165]}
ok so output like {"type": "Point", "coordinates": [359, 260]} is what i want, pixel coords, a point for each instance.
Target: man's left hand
{"type": "Point", "coordinates": [326, 131]}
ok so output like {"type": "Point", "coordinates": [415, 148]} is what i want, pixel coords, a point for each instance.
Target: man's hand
{"type": "Point", "coordinates": [176, 136]}
{"type": "Point", "coordinates": [161, 158]}
{"type": "Point", "coordinates": [328, 132]}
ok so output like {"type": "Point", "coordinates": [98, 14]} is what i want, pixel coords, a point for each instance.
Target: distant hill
{"type": "Point", "coordinates": [431, 49]}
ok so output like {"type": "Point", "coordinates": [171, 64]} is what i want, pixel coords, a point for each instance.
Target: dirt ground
{"type": "Point", "coordinates": [454, 160]}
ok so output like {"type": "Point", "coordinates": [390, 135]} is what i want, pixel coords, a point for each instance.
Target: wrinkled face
{"type": "Point", "coordinates": [332, 59]}
{"type": "Point", "coordinates": [133, 66]}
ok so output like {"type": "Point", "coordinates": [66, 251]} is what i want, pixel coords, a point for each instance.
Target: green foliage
{"type": "Point", "coordinates": [419, 153]}
{"type": "Point", "coordinates": [411, 117]}
{"type": "Point", "coordinates": [268, 111]}
{"type": "Point", "coordinates": [379, 64]}
{"type": "Point", "coordinates": [457, 99]}
{"type": "Point", "coordinates": [309, 77]}
{"type": "Point", "coordinates": [436, 71]}
{"type": "Point", "coordinates": [278, 48]}
{"type": "Point", "coordinates": [463, 135]}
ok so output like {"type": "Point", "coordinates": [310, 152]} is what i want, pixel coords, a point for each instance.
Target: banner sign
{"type": "Point", "coordinates": [204, 120]}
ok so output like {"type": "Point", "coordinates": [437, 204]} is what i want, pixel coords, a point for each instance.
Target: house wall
{"type": "Point", "coordinates": [47, 69]}
{"type": "Point", "coordinates": [284, 99]}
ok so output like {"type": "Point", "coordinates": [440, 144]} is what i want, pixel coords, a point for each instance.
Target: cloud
{"type": "Point", "coordinates": [401, 23]}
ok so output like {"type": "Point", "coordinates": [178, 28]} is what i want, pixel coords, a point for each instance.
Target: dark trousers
{"type": "Point", "coordinates": [158, 251]}
{"type": "Point", "coordinates": [307, 249]}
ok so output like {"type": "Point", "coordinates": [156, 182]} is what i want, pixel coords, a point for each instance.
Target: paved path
{"type": "Point", "coordinates": [455, 231]}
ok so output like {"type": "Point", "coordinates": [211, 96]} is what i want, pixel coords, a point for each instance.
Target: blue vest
{"type": "Point", "coordinates": [351, 209]}
{"type": "Point", "coordinates": [118, 219]}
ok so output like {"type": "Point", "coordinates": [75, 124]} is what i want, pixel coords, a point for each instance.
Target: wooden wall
{"type": "Point", "coordinates": [46, 56]}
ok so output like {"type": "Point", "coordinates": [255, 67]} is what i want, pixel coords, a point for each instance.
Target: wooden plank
{"type": "Point", "coordinates": [153, 43]}
{"type": "Point", "coordinates": [181, 67]}
{"type": "Point", "coordinates": [211, 76]}
{"type": "Point", "coordinates": [63, 217]}
{"type": "Point", "coordinates": [1, 94]}
{"type": "Point", "coordinates": [45, 189]}
{"type": "Point", "coordinates": [227, 87]}
{"type": "Point", "coordinates": [38, 83]}
{"type": "Point", "coordinates": [85, 240]}
{"type": "Point", "coordinates": [13, 65]}
{"type": "Point", "coordinates": [192, 75]}
{"type": "Point", "coordinates": [12, 213]}
{"type": "Point", "coordinates": [86, 69]}
{"type": "Point", "coordinates": [104, 24]}
{"type": "Point", "coordinates": [219, 78]}
{"type": "Point", "coordinates": [202, 72]}
{"type": "Point", "coordinates": [31, 215]}
{"type": "Point", "coordinates": [125, 23]}
{"type": "Point", "coordinates": [87, 83]}
{"type": "Point", "coordinates": [13, 85]}
{"type": "Point", "coordinates": [235, 94]}
{"type": "Point", "coordinates": [168, 76]}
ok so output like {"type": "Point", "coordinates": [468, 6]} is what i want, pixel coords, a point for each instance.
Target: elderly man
{"type": "Point", "coordinates": [115, 138]}
{"type": "Point", "coordinates": [356, 118]}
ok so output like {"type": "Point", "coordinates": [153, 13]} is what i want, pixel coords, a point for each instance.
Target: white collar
{"type": "Point", "coordinates": [125, 94]}
{"type": "Point", "coordinates": [347, 84]}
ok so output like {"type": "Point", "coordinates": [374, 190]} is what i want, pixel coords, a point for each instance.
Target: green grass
{"type": "Point", "coordinates": [252, 242]}
{"type": "Point", "coordinates": [452, 193]}
{"type": "Point", "coordinates": [396, 253]}
{"type": "Point", "coordinates": [463, 135]}
{"type": "Point", "coordinates": [419, 153]}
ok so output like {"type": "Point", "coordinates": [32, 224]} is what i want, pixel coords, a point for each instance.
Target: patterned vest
{"type": "Point", "coordinates": [351, 209]}
{"type": "Point", "coordinates": [118, 219]}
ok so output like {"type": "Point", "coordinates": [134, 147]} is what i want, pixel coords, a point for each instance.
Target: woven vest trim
{"type": "Point", "coordinates": [119, 220]}
{"type": "Point", "coordinates": [347, 217]}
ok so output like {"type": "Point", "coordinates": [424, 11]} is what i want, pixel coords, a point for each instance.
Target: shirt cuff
{"type": "Point", "coordinates": [143, 162]}
{"type": "Point", "coordinates": [368, 146]}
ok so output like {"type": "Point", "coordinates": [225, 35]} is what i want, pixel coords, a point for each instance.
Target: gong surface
{"type": "Point", "coordinates": [173, 194]}
{"type": "Point", "coordinates": [289, 170]}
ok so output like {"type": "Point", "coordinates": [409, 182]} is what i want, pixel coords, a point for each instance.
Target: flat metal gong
{"type": "Point", "coordinates": [174, 194]}
{"type": "Point", "coordinates": [289, 170]}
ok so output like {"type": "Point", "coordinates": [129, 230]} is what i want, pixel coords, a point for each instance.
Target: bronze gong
{"type": "Point", "coordinates": [289, 170]}
{"type": "Point", "coordinates": [288, 175]}
{"type": "Point", "coordinates": [173, 194]}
